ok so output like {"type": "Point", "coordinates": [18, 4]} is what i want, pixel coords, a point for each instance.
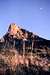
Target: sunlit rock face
{"type": "Point", "coordinates": [16, 31]}
{"type": "Point", "coordinates": [13, 29]}
{"type": "Point", "coordinates": [19, 33]}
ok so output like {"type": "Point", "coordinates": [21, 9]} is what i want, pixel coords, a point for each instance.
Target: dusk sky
{"type": "Point", "coordinates": [32, 15]}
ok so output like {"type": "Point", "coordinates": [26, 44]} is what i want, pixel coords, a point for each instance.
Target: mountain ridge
{"type": "Point", "coordinates": [24, 53]}
{"type": "Point", "coordinates": [16, 32]}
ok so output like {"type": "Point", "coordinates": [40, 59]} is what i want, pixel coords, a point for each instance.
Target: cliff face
{"type": "Point", "coordinates": [17, 35]}
{"type": "Point", "coordinates": [17, 32]}
{"type": "Point", "coordinates": [18, 42]}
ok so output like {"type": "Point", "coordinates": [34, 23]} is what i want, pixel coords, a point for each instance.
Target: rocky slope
{"type": "Point", "coordinates": [23, 53]}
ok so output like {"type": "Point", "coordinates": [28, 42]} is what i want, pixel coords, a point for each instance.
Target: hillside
{"type": "Point", "coordinates": [23, 53]}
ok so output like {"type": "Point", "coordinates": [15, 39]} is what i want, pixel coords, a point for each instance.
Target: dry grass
{"type": "Point", "coordinates": [12, 59]}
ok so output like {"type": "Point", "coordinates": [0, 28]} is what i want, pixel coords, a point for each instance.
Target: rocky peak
{"type": "Point", "coordinates": [13, 29]}
{"type": "Point", "coordinates": [17, 32]}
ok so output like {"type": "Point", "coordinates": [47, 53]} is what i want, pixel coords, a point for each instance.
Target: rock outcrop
{"type": "Point", "coordinates": [24, 52]}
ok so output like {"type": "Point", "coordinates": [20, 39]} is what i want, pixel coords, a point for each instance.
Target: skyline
{"type": "Point", "coordinates": [32, 15]}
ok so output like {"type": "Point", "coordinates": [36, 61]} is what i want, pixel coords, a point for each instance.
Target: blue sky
{"type": "Point", "coordinates": [33, 15]}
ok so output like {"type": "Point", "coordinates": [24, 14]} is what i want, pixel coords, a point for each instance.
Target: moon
{"type": "Point", "coordinates": [41, 8]}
